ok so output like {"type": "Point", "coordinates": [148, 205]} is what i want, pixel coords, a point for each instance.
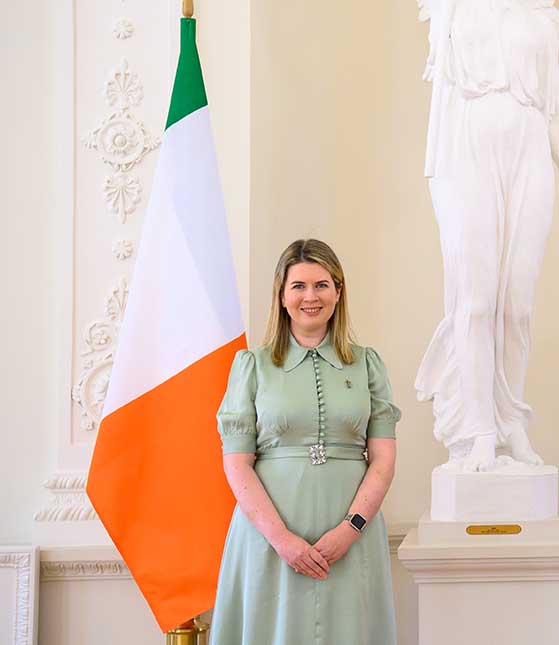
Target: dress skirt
{"type": "Point", "coordinates": [262, 601]}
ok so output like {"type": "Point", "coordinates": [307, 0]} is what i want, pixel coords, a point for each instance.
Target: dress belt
{"type": "Point", "coordinates": [331, 452]}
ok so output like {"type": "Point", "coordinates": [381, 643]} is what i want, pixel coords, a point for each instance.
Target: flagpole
{"type": "Point", "coordinates": [193, 631]}
{"type": "Point", "coordinates": [187, 8]}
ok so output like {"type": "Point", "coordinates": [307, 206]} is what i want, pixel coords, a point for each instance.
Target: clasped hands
{"type": "Point", "coordinates": [314, 560]}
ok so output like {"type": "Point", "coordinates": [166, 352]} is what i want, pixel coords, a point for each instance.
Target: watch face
{"type": "Point", "coordinates": [358, 521]}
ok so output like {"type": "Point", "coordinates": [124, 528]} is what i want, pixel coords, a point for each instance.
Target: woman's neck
{"type": "Point", "coordinates": [309, 338]}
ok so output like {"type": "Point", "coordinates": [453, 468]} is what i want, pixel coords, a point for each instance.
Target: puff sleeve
{"type": "Point", "coordinates": [236, 417]}
{"type": "Point", "coordinates": [384, 414]}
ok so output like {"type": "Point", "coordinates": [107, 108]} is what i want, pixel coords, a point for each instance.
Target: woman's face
{"type": "Point", "coordinates": [310, 297]}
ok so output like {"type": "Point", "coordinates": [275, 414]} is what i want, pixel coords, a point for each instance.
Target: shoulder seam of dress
{"type": "Point", "coordinates": [254, 372]}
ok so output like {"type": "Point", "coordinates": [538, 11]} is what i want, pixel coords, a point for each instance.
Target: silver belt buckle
{"type": "Point", "coordinates": [317, 454]}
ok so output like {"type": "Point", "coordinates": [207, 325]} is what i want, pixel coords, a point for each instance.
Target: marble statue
{"type": "Point", "coordinates": [492, 139]}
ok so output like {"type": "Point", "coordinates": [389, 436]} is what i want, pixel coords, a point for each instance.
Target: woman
{"type": "Point", "coordinates": [494, 67]}
{"type": "Point", "coordinates": [306, 559]}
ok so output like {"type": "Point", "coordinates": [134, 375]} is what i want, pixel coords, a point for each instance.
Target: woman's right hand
{"type": "Point", "coordinates": [301, 555]}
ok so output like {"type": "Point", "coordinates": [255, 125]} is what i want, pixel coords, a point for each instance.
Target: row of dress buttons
{"type": "Point", "coordinates": [321, 424]}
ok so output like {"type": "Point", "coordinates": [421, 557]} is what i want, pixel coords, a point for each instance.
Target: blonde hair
{"type": "Point", "coordinates": [277, 331]}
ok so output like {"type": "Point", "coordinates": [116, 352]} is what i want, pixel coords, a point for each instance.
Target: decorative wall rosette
{"type": "Point", "coordinates": [121, 140]}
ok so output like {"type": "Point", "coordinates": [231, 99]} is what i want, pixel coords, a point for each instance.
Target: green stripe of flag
{"type": "Point", "coordinates": [189, 93]}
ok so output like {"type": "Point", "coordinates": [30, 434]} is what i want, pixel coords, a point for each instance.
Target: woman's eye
{"type": "Point", "coordinates": [322, 285]}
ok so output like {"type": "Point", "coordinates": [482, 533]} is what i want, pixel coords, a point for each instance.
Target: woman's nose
{"type": "Point", "coordinates": [310, 294]}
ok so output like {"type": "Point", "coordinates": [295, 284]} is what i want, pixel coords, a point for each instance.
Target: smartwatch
{"type": "Point", "coordinates": [358, 522]}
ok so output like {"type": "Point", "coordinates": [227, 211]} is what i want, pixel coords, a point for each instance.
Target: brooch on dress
{"type": "Point", "coordinates": [348, 382]}
{"type": "Point", "coordinates": [317, 454]}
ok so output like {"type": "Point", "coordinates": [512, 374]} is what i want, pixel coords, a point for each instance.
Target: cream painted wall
{"type": "Point", "coordinates": [223, 34]}
{"type": "Point", "coordinates": [26, 321]}
{"type": "Point", "coordinates": [339, 118]}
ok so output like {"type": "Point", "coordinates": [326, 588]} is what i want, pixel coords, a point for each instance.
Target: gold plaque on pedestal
{"type": "Point", "coordinates": [493, 529]}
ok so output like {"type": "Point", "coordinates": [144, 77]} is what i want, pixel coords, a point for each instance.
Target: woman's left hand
{"type": "Point", "coordinates": [335, 543]}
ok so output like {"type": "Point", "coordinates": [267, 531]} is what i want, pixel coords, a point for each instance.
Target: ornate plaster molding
{"type": "Point", "coordinates": [123, 249]}
{"type": "Point", "coordinates": [482, 569]}
{"type": "Point", "coordinates": [68, 500]}
{"type": "Point", "coordinates": [121, 140]}
{"type": "Point", "coordinates": [122, 192]}
{"type": "Point", "coordinates": [100, 338]}
{"type": "Point", "coordinates": [22, 563]}
{"type": "Point", "coordinates": [83, 570]}
{"type": "Point", "coordinates": [123, 29]}
{"type": "Point", "coordinates": [123, 87]}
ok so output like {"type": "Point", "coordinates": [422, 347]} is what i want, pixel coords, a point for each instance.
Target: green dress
{"type": "Point", "coordinates": [307, 422]}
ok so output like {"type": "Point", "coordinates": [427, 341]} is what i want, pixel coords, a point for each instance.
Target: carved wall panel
{"type": "Point", "coordinates": [116, 62]}
{"type": "Point", "coordinates": [112, 96]}
{"type": "Point", "coordinates": [114, 107]}
{"type": "Point", "coordinates": [19, 587]}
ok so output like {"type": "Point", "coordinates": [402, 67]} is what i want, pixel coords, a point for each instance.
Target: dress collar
{"type": "Point", "coordinates": [297, 353]}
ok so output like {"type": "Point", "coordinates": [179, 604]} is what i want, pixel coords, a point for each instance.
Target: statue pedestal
{"type": "Point", "coordinates": [512, 492]}
{"type": "Point", "coordinates": [489, 588]}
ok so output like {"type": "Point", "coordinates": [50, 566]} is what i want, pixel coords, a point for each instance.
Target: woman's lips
{"type": "Point", "coordinates": [311, 311]}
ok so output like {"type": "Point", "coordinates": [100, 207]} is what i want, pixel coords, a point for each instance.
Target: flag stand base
{"type": "Point", "coordinates": [193, 632]}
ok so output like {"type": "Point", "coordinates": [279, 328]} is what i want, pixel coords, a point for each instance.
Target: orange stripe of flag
{"type": "Point", "coordinates": [157, 482]}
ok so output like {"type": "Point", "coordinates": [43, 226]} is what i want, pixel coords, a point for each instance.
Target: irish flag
{"type": "Point", "coordinates": [156, 478]}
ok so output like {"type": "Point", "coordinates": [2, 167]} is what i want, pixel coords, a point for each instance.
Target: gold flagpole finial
{"type": "Point", "coordinates": [187, 8]}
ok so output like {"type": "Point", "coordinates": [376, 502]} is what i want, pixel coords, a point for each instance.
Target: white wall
{"type": "Point", "coordinates": [27, 321]}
